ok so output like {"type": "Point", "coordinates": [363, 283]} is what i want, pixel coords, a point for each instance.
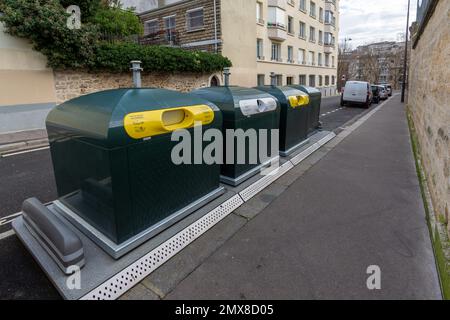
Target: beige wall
{"type": "Point", "coordinates": [24, 77]}
{"type": "Point", "coordinates": [239, 39]}
{"type": "Point", "coordinates": [428, 100]}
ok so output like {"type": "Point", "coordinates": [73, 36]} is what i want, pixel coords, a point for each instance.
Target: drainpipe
{"type": "Point", "coordinates": [215, 27]}
{"type": "Point", "coordinates": [273, 79]}
{"type": "Point", "coordinates": [136, 68]}
{"type": "Point", "coordinates": [226, 75]}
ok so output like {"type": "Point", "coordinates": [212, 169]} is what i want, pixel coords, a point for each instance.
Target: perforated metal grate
{"type": "Point", "coordinates": [259, 185]}
{"type": "Point", "coordinates": [133, 274]}
{"type": "Point", "coordinates": [307, 152]}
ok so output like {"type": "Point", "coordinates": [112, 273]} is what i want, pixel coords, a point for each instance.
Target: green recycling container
{"type": "Point", "coordinates": [113, 164]}
{"type": "Point", "coordinates": [293, 117]}
{"type": "Point", "coordinates": [246, 109]}
{"type": "Point", "coordinates": [315, 99]}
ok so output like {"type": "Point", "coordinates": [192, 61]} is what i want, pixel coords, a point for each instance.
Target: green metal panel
{"type": "Point", "coordinates": [293, 121]}
{"type": "Point", "coordinates": [315, 99]}
{"type": "Point", "coordinates": [228, 100]}
{"type": "Point", "coordinates": [118, 184]}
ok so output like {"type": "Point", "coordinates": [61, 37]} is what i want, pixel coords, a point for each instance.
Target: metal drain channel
{"type": "Point", "coordinates": [259, 185]}
{"type": "Point", "coordinates": [133, 274]}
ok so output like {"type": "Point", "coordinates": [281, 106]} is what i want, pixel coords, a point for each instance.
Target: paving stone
{"type": "Point", "coordinates": [139, 292]}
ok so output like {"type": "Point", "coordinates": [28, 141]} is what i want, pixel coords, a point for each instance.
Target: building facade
{"type": "Point", "coordinates": [381, 62]}
{"type": "Point", "coordinates": [295, 39]}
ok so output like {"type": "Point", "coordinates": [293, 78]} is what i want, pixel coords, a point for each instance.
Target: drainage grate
{"type": "Point", "coordinates": [304, 154]}
{"type": "Point", "coordinates": [133, 274]}
{"type": "Point", "coordinates": [307, 152]}
{"type": "Point", "coordinates": [259, 185]}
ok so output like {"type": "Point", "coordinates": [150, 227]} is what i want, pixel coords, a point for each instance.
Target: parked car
{"type": "Point", "coordinates": [376, 94]}
{"type": "Point", "coordinates": [388, 88]}
{"type": "Point", "coordinates": [357, 92]}
{"type": "Point", "coordinates": [384, 95]}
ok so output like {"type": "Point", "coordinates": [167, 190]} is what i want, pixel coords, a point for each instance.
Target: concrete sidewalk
{"type": "Point", "coordinates": [354, 204]}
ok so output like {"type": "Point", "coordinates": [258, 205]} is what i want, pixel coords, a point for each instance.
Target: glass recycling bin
{"type": "Point", "coordinates": [315, 98]}
{"type": "Point", "coordinates": [293, 117]}
{"type": "Point", "coordinates": [113, 162]}
{"type": "Point", "coordinates": [245, 109]}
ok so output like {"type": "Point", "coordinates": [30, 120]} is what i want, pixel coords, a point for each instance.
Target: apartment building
{"type": "Point", "coordinates": [295, 39]}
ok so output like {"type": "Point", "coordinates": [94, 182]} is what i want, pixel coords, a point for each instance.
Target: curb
{"type": "Point", "coordinates": [23, 146]}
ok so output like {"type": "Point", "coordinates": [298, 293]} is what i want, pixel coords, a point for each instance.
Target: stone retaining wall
{"type": "Point", "coordinates": [70, 84]}
{"type": "Point", "coordinates": [429, 102]}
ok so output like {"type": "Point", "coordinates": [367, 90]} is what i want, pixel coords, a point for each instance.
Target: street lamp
{"type": "Point", "coordinates": [405, 64]}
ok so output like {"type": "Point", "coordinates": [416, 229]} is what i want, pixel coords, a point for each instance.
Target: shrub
{"type": "Point", "coordinates": [43, 22]}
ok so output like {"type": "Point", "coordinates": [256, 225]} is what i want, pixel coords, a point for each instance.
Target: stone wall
{"type": "Point", "coordinates": [71, 84]}
{"type": "Point", "coordinates": [429, 102]}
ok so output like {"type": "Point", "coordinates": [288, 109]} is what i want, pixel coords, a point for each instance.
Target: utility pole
{"type": "Point", "coordinates": [405, 63]}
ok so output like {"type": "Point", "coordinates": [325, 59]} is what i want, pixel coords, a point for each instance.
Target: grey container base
{"type": "Point", "coordinates": [99, 265]}
{"type": "Point", "coordinates": [256, 170]}
{"type": "Point", "coordinates": [118, 250]}
{"type": "Point", "coordinates": [287, 153]}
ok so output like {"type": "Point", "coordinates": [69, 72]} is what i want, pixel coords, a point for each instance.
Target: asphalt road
{"type": "Point", "coordinates": [31, 175]}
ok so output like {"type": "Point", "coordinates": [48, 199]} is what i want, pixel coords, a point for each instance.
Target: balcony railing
{"type": "Point", "coordinates": [163, 37]}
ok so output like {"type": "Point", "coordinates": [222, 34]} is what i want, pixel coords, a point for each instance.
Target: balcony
{"type": "Point", "coordinates": [162, 37]}
{"type": "Point", "coordinates": [328, 47]}
{"type": "Point", "coordinates": [276, 31]}
{"type": "Point", "coordinates": [277, 3]}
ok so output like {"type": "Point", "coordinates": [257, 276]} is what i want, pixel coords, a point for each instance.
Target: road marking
{"type": "Point", "coordinates": [9, 219]}
{"type": "Point", "coordinates": [7, 234]}
{"type": "Point", "coordinates": [330, 112]}
{"type": "Point", "coordinates": [22, 152]}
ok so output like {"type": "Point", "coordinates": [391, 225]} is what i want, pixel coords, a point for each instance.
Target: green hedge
{"type": "Point", "coordinates": [116, 57]}
{"type": "Point", "coordinates": [43, 22]}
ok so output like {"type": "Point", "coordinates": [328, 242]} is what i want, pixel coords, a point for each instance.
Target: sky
{"type": "Point", "coordinates": [367, 21]}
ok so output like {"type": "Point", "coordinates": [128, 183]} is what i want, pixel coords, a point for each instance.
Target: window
{"type": "Point", "coordinates": [302, 6]}
{"type": "Point", "coordinates": [312, 9]}
{"type": "Point", "coordinates": [311, 60]}
{"type": "Point", "coordinates": [169, 28]}
{"type": "Point", "coordinates": [277, 17]}
{"type": "Point", "coordinates": [327, 80]}
{"type": "Point", "coordinates": [259, 14]}
{"type": "Point", "coordinates": [290, 54]}
{"type": "Point", "coordinates": [328, 38]}
{"type": "Point", "coordinates": [261, 80]}
{"type": "Point", "coordinates": [320, 81]}
{"type": "Point", "coordinates": [259, 49]}
{"type": "Point", "coordinates": [319, 58]}
{"type": "Point", "coordinates": [321, 14]}
{"type": "Point", "coordinates": [333, 80]}
{"type": "Point", "coordinates": [327, 59]}
{"type": "Point", "coordinates": [301, 56]}
{"type": "Point", "coordinates": [312, 80]}
{"type": "Point", "coordinates": [302, 32]}
{"type": "Point", "coordinates": [302, 79]}
{"type": "Point", "coordinates": [329, 17]}
{"type": "Point", "coordinates": [151, 27]}
{"type": "Point", "coordinates": [290, 25]}
{"type": "Point", "coordinates": [279, 80]}
{"type": "Point", "coordinates": [332, 61]}
{"type": "Point", "coordinates": [289, 81]}
{"type": "Point", "coordinates": [276, 51]}
{"type": "Point", "coordinates": [312, 34]}
{"type": "Point", "coordinates": [194, 19]}
{"type": "Point", "coordinates": [320, 37]}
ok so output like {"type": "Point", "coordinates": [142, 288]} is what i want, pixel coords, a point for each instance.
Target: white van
{"type": "Point", "coordinates": [357, 92]}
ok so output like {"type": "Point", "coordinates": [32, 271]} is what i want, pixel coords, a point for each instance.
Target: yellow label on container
{"type": "Point", "coordinates": [298, 101]}
{"type": "Point", "coordinates": [146, 124]}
